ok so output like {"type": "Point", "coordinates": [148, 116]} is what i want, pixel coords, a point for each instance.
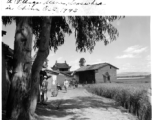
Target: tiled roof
{"type": "Point", "coordinates": [94, 67]}
{"type": "Point", "coordinates": [51, 71]}
{"type": "Point", "coordinates": [66, 73]}
{"type": "Point", "coordinates": [61, 65]}
{"type": "Point", "coordinates": [56, 72]}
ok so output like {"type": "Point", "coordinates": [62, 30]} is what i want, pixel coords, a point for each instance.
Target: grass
{"type": "Point", "coordinates": [131, 96]}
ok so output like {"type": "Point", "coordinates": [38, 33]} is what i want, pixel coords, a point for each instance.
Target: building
{"type": "Point", "coordinates": [96, 73]}
{"type": "Point", "coordinates": [61, 67]}
{"type": "Point", "coordinates": [52, 77]}
{"type": "Point", "coordinates": [57, 75]}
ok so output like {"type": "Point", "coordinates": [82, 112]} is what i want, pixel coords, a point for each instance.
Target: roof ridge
{"type": "Point", "coordinates": [95, 66]}
{"type": "Point", "coordinates": [99, 63]}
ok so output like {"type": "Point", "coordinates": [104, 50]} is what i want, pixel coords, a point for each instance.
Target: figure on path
{"type": "Point", "coordinates": [108, 77]}
{"type": "Point", "coordinates": [44, 89]}
{"type": "Point", "coordinates": [104, 78]}
{"type": "Point", "coordinates": [54, 89]}
{"type": "Point", "coordinates": [40, 87]}
{"type": "Point", "coordinates": [66, 84]}
{"type": "Point", "coordinates": [59, 87]}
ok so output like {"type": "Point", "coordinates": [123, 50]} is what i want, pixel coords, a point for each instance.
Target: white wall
{"type": "Point", "coordinates": [50, 81]}
{"type": "Point", "coordinates": [76, 76]}
{"type": "Point", "coordinates": [101, 71]}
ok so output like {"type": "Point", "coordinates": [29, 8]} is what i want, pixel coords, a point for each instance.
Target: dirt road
{"type": "Point", "coordinates": [78, 104]}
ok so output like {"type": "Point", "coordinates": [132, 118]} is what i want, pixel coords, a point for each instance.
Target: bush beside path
{"type": "Point", "coordinates": [134, 97]}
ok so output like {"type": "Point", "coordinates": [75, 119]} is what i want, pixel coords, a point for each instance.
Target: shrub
{"type": "Point", "coordinates": [129, 96]}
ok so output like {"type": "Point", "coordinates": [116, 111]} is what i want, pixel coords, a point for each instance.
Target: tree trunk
{"type": "Point", "coordinates": [21, 68]}
{"type": "Point", "coordinates": [42, 54]}
{"type": "Point", "coordinates": [5, 82]}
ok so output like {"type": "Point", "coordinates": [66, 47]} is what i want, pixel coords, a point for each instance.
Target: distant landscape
{"type": "Point", "coordinates": [133, 77]}
{"type": "Point", "coordinates": [133, 74]}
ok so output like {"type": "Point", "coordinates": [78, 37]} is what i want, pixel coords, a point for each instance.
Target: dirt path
{"type": "Point", "coordinates": [78, 104]}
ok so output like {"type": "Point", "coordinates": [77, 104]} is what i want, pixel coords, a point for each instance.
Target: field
{"type": "Point", "coordinates": [146, 79]}
{"type": "Point", "coordinates": [129, 93]}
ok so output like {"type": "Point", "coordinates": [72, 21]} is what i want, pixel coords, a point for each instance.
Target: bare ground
{"type": "Point", "coordinates": [78, 104]}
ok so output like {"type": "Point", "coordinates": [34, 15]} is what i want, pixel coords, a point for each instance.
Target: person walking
{"type": "Point", "coordinates": [66, 84]}
{"type": "Point", "coordinates": [40, 88]}
{"type": "Point", "coordinates": [44, 90]}
{"type": "Point", "coordinates": [76, 84]}
{"type": "Point", "coordinates": [108, 77]}
{"type": "Point", "coordinates": [59, 86]}
{"type": "Point", "coordinates": [54, 89]}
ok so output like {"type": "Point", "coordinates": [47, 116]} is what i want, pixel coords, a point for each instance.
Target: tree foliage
{"type": "Point", "coordinates": [45, 64]}
{"type": "Point", "coordinates": [91, 29]}
{"type": "Point", "coordinates": [88, 30]}
{"type": "Point", "coordinates": [82, 62]}
{"type": "Point", "coordinates": [7, 20]}
{"type": "Point", "coordinates": [58, 30]}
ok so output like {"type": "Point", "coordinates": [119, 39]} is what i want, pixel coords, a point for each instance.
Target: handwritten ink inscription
{"type": "Point", "coordinates": [49, 5]}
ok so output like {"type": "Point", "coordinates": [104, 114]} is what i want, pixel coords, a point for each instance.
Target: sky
{"type": "Point", "coordinates": [130, 52]}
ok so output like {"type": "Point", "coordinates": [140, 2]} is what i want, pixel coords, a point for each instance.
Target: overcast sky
{"type": "Point", "coordinates": [130, 52]}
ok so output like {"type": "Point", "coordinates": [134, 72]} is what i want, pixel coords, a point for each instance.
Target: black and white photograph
{"type": "Point", "coordinates": [75, 67]}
